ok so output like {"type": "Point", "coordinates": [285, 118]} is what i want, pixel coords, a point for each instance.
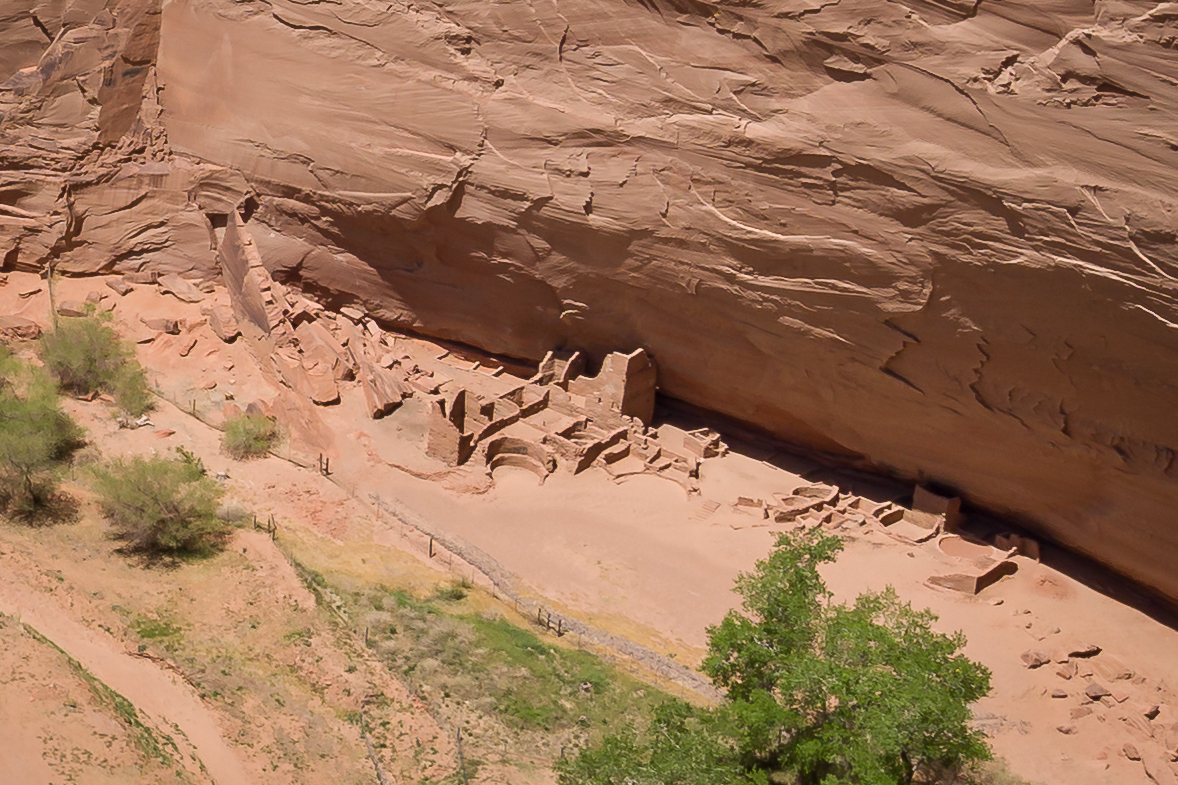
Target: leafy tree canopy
{"type": "Point", "coordinates": [36, 435]}
{"type": "Point", "coordinates": [818, 693]}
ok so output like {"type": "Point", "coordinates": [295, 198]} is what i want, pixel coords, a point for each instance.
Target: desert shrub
{"type": "Point", "coordinates": [86, 356]}
{"type": "Point", "coordinates": [130, 389]}
{"type": "Point", "coordinates": [160, 505]}
{"type": "Point", "coordinates": [36, 435]}
{"type": "Point", "coordinates": [249, 436]}
{"type": "Point", "coordinates": [192, 459]}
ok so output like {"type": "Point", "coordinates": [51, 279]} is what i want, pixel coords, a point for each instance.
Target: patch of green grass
{"type": "Point", "coordinates": [311, 579]}
{"type": "Point", "coordinates": [454, 592]}
{"type": "Point", "coordinates": [300, 636]}
{"type": "Point", "coordinates": [154, 629]}
{"type": "Point", "coordinates": [407, 601]}
{"type": "Point", "coordinates": [523, 681]}
{"type": "Point", "coordinates": [555, 676]}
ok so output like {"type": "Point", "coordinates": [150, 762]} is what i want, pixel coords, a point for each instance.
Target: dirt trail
{"type": "Point", "coordinates": [154, 691]}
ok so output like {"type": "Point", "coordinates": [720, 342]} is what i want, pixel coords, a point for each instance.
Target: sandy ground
{"type": "Point", "coordinates": [645, 559]}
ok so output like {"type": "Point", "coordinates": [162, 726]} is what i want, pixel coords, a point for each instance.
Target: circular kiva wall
{"type": "Point", "coordinates": [522, 454]}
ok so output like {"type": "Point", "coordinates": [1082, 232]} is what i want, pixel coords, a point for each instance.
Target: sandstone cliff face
{"type": "Point", "coordinates": [937, 235]}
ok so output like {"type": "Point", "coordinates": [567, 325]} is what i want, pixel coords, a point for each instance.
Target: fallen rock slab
{"type": "Point", "coordinates": [1083, 650]}
{"type": "Point", "coordinates": [222, 322]}
{"type": "Point", "coordinates": [1035, 659]}
{"type": "Point", "coordinates": [320, 346]}
{"type": "Point", "coordinates": [73, 308]}
{"type": "Point", "coordinates": [324, 390]}
{"type": "Point", "coordinates": [382, 392]}
{"type": "Point", "coordinates": [138, 332]}
{"type": "Point", "coordinates": [1158, 769]}
{"type": "Point", "coordinates": [120, 286]}
{"type": "Point", "coordinates": [169, 326]}
{"type": "Point", "coordinates": [1111, 669]}
{"type": "Point", "coordinates": [184, 290]}
{"type": "Point", "coordinates": [18, 328]}
{"type": "Point", "coordinates": [1096, 691]}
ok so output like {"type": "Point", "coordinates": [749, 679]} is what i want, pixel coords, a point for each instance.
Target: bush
{"type": "Point", "coordinates": [86, 356]}
{"type": "Point", "coordinates": [161, 506]}
{"type": "Point", "coordinates": [36, 435]}
{"type": "Point", "coordinates": [131, 391]}
{"type": "Point", "coordinates": [192, 459]}
{"type": "Point", "coordinates": [249, 436]}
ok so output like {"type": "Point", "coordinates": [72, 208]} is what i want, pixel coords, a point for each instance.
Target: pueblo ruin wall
{"type": "Point", "coordinates": [938, 236]}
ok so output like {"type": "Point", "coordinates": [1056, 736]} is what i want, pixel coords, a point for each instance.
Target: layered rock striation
{"type": "Point", "coordinates": [937, 236]}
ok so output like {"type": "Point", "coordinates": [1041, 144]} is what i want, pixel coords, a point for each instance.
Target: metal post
{"type": "Point", "coordinates": [461, 762]}
{"type": "Point", "coordinates": [49, 285]}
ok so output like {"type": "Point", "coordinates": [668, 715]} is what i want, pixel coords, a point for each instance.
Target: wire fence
{"type": "Point", "coordinates": [469, 561]}
{"type": "Point", "coordinates": [472, 560]}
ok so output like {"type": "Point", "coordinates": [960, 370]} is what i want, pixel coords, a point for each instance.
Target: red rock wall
{"type": "Point", "coordinates": [938, 235]}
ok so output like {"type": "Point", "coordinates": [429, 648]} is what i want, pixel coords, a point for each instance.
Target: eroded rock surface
{"type": "Point", "coordinates": [939, 236]}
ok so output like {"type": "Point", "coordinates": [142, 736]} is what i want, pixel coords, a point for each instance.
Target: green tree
{"type": "Point", "coordinates": [86, 356]}
{"type": "Point", "coordinates": [867, 693]}
{"type": "Point", "coordinates": [818, 693]}
{"type": "Point", "coordinates": [36, 435]}
{"type": "Point", "coordinates": [160, 505]}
